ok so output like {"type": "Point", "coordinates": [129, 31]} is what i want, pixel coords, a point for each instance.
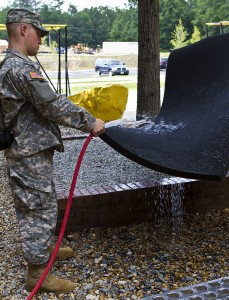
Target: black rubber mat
{"type": "Point", "coordinates": [190, 137]}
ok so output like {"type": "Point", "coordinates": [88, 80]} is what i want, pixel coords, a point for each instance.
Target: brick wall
{"type": "Point", "coordinates": [123, 204]}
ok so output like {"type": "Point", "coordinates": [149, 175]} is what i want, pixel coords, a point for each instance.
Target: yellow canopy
{"type": "Point", "coordinates": [2, 27]}
{"type": "Point", "coordinates": [47, 26]}
{"type": "Point", "coordinates": [54, 26]}
{"type": "Point", "coordinates": [225, 23]}
{"type": "Point", "coordinates": [221, 23]}
{"type": "Point", "coordinates": [214, 24]}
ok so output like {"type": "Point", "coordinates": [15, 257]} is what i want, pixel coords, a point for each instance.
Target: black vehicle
{"type": "Point", "coordinates": [163, 62]}
{"type": "Point", "coordinates": [111, 67]}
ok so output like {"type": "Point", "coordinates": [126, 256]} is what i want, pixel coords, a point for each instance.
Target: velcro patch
{"type": "Point", "coordinates": [35, 75]}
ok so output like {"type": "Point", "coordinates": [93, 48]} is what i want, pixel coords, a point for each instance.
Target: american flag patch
{"type": "Point", "coordinates": [35, 75]}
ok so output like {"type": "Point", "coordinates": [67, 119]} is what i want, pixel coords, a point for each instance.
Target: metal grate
{"type": "Point", "coordinates": [215, 290]}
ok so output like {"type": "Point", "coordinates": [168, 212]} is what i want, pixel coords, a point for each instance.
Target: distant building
{"type": "Point", "coordinates": [3, 46]}
{"type": "Point", "coordinates": [120, 48]}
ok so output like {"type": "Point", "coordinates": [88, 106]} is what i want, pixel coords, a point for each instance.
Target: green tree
{"type": "Point", "coordinates": [132, 3]}
{"type": "Point", "coordinates": [125, 26]}
{"type": "Point", "coordinates": [72, 10]}
{"type": "Point", "coordinates": [33, 5]}
{"type": "Point", "coordinates": [53, 16]}
{"type": "Point", "coordinates": [90, 26]}
{"type": "Point", "coordinates": [195, 35]}
{"type": "Point", "coordinates": [102, 19]}
{"type": "Point", "coordinates": [170, 13]}
{"type": "Point", "coordinates": [103, 24]}
{"type": "Point", "coordinates": [57, 4]}
{"type": "Point", "coordinates": [209, 11]}
{"type": "Point", "coordinates": [3, 13]}
{"type": "Point", "coordinates": [179, 36]}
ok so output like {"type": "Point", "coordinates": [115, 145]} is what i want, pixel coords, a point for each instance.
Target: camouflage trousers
{"type": "Point", "coordinates": [31, 181]}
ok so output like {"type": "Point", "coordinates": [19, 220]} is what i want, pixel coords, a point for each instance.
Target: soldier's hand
{"type": "Point", "coordinates": [99, 127]}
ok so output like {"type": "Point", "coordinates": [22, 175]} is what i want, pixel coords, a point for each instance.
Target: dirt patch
{"type": "Point", "coordinates": [82, 61]}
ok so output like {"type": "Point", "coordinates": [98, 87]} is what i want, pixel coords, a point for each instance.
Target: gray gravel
{"type": "Point", "coordinates": [125, 263]}
{"type": "Point", "coordinates": [101, 164]}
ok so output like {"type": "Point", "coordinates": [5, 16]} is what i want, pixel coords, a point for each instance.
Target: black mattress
{"type": "Point", "coordinates": [190, 136]}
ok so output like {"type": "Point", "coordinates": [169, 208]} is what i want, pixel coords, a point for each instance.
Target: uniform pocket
{"type": "Point", "coordinates": [29, 198]}
{"type": "Point", "coordinates": [35, 171]}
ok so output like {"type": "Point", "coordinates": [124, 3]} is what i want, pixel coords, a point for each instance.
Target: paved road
{"type": "Point", "coordinates": [84, 74]}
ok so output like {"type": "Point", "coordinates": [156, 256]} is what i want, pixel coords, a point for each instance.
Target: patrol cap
{"type": "Point", "coordinates": [21, 15]}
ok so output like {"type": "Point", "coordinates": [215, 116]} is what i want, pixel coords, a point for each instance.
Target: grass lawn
{"type": "Point", "coordinates": [78, 85]}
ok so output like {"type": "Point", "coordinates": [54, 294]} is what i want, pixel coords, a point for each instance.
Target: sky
{"type": "Point", "coordinates": [81, 4]}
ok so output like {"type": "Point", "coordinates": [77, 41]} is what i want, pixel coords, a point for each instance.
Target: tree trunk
{"type": "Point", "coordinates": [148, 94]}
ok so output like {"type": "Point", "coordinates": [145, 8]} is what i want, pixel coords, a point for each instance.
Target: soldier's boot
{"type": "Point", "coordinates": [51, 284]}
{"type": "Point", "coordinates": [63, 252]}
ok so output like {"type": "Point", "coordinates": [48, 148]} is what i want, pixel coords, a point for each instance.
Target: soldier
{"type": "Point", "coordinates": [34, 111]}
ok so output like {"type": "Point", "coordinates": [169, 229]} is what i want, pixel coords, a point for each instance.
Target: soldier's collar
{"type": "Point", "coordinates": [20, 55]}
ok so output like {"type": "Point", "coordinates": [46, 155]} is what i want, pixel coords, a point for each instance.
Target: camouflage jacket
{"type": "Point", "coordinates": [34, 109]}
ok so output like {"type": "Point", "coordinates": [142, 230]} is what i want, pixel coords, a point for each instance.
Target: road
{"type": "Point", "coordinates": [83, 74]}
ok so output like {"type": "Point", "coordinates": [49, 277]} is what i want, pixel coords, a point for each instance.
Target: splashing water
{"type": "Point", "coordinates": [169, 206]}
{"type": "Point", "coordinates": [177, 209]}
{"type": "Point", "coordinates": [147, 125]}
{"type": "Point", "coordinates": [162, 127]}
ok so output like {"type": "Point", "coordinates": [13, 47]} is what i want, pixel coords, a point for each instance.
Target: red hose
{"type": "Point", "coordinates": [65, 220]}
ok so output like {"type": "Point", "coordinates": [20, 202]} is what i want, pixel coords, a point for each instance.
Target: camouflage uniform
{"type": "Point", "coordinates": [35, 110]}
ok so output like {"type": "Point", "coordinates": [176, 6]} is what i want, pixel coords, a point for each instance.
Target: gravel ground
{"type": "Point", "coordinates": [124, 263]}
{"type": "Point", "coordinates": [101, 164]}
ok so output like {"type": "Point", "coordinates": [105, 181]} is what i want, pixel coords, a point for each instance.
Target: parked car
{"type": "Point", "coordinates": [62, 50]}
{"type": "Point", "coordinates": [111, 67]}
{"type": "Point", "coordinates": [163, 62]}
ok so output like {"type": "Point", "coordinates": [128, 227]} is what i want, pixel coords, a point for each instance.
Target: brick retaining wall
{"type": "Point", "coordinates": [123, 204]}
